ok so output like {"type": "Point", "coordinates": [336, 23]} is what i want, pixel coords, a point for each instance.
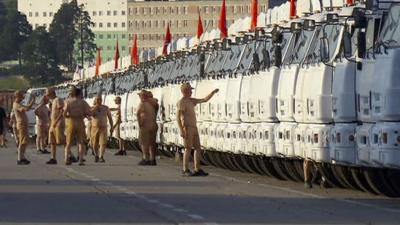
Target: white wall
{"type": "Point", "coordinates": [103, 7]}
{"type": "Point", "coordinates": [39, 12]}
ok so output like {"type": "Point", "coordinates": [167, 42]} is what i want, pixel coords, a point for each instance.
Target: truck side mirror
{"type": "Point", "coordinates": [324, 49]}
{"type": "Point", "coordinates": [347, 51]}
{"type": "Point", "coordinates": [278, 56]}
{"type": "Point", "coordinates": [266, 59]}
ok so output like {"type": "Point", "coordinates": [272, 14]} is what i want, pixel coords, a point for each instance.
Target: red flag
{"type": "Point", "coordinates": [168, 38]}
{"type": "Point", "coordinates": [254, 15]}
{"type": "Point", "coordinates": [98, 62]}
{"type": "Point", "coordinates": [116, 57]}
{"type": "Point", "coordinates": [134, 52]}
{"type": "Point", "coordinates": [350, 2]}
{"type": "Point", "coordinates": [293, 13]}
{"type": "Point", "coordinates": [222, 21]}
{"type": "Point", "coordinates": [200, 30]}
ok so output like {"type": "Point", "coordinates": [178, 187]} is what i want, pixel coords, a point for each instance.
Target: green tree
{"type": "Point", "coordinates": [63, 32]}
{"type": "Point", "coordinates": [15, 32]}
{"type": "Point", "coordinates": [85, 48]}
{"type": "Point", "coordinates": [40, 58]}
{"type": "Point", "coordinates": [3, 13]}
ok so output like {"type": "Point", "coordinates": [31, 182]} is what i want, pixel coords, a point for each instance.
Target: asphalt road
{"type": "Point", "coordinates": [121, 192]}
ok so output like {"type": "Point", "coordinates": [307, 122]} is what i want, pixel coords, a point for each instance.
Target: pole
{"type": "Point", "coordinates": [81, 28]}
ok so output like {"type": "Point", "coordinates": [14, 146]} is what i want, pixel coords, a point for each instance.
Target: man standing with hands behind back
{"type": "Point", "coordinates": [98, 131]}
{"type": "Point", "coordinates": [187, 123]}
{"type": "Point", "coordinates": [57, 124]}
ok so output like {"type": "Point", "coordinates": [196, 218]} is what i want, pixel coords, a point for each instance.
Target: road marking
{"type": "Point", "coordinates": [271, 186]}
{"type": "Point", "coordinates": [196, 217]}
{"type": "Point", "coordinates": [313, 195]}
{"type": "Point", "coordinates": [149, 200]}
{"type": "Point", "coordinates": [167, 205]}
{"type": "Point", "coordinates": [368, 205]}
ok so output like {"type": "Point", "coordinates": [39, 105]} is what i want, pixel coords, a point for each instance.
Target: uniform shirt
{"type": "Point", "coordinates": [20, 115]}
{"type": "Point", "coordinates": [99, 117]}
{"type": "Point", "coordinates": [186, 105]}
{"type": "Point", "coordinates": [118, 115]}
{"type": "Point", "coordinates": [77, 109]}
{"type": "Point", "coordinates": [147, 115]}
{"type": "Point", "coordinates": [56, 108]}
{"type": "Point", "coordinates": [3, 117]}
{"type": "Point", "coordinates": [42, 117]}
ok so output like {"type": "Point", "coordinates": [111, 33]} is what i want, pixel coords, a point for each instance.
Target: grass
{"type": "Point", "coordinates": [14, 83]}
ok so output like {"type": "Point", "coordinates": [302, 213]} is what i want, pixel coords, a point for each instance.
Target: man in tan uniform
{"type": "Point", "coordinates": [13, 125]}
{"type": "Point", "coordinates": [22, 125]}
{"type": "Point", "coordinates": [57, 125]}
{"type": "Point", "coordinates": [186, 118]}
{"type": "Point", "coordinates": [42, 125]}
{"type": "Point", "coordinates": [75, 111]}
{"type": "Point", "coordinates": [98, 132]}
{"type": "Point", "coordinates": [117, 127]}
{"type": "Point", "coordinates": [147, 119]}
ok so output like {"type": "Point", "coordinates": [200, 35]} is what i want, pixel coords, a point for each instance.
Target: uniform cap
{"type": "Point", "coordinates": [50, 90]}
{"type": "Point", "coordinates": [142, 93]}
{"type": "Point", "coordinates": [19, 94]}
{"type": "Point", "coordinates": [185, 86]}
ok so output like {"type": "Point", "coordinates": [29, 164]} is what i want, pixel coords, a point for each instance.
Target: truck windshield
{"type": "Point", "coordinates": [301, 44]}
{"type": "Point", "coordinates": [390, 35]}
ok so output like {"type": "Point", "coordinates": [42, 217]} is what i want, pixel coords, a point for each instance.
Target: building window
{"type": "Point", "coordinates": [108, 47]}
{"type": "Point", "coordinates": [94, 24]}
{"type": "Point", "coordinates": [123, 12]}
{"type": "Point", "coordinates": [141, 10]}
{"type": "Point", "coordinates": [50, 14]}
{"type": "Point", "coordinates": [100, 13]}
{"type": "Point", "coordinates": [44, 14]}
{"type": "Point", "coordinates": [156, 23]}
{"type": "Point", "coordinates": [232, 9]}
{"type": "Point", "coordinates": [135, 10]}
{"type": "Point", "coordinates": [123, 36]}
{"type": "Point", "coordinates": [115, 12]}
{"type": "Point", "coordinates": [115, 24]}
{"type": "Point", "coordinates": [108, 13]}
{"type": "Point", "coordinates": [36, 14]}
{"type": "Point", "coordinates": [94, 13]}
{"type": "Point", "coordinates": [185, 23]}
{"type": "Point", "coordinates": [123, 48]}
{"type": "Point", "coordinates": [108, 24]}
{"type": "Point", "coordinates": [30, 14]}
{"type": "Point", "coordinates": [108, 59]}
{"type": "Point", "coordinates": [123, 24]}
{"type": "Point", "coordinates": [108, 36]}
{"type": "Point", "coordinates": [100, 24]}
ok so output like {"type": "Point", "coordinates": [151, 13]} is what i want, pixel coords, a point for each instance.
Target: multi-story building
{"type": "Point", "coordinates": [110, 24]}
{"type": "Point", "coordinates": [121, 19]}
{"type": "Point", "coordinates": [148, 19]}
{"type": "Point", "coordinates": [109, 16]}
{"type": "Point", "coordinates": [39, 12]}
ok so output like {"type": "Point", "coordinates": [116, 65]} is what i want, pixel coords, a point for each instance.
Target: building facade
{"type": "Point", "coordinates": [149, 19]}
{"type": "Point", "coordinates": [121, 19]}
{"type": "Point", "coordinates": [109, 18]}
